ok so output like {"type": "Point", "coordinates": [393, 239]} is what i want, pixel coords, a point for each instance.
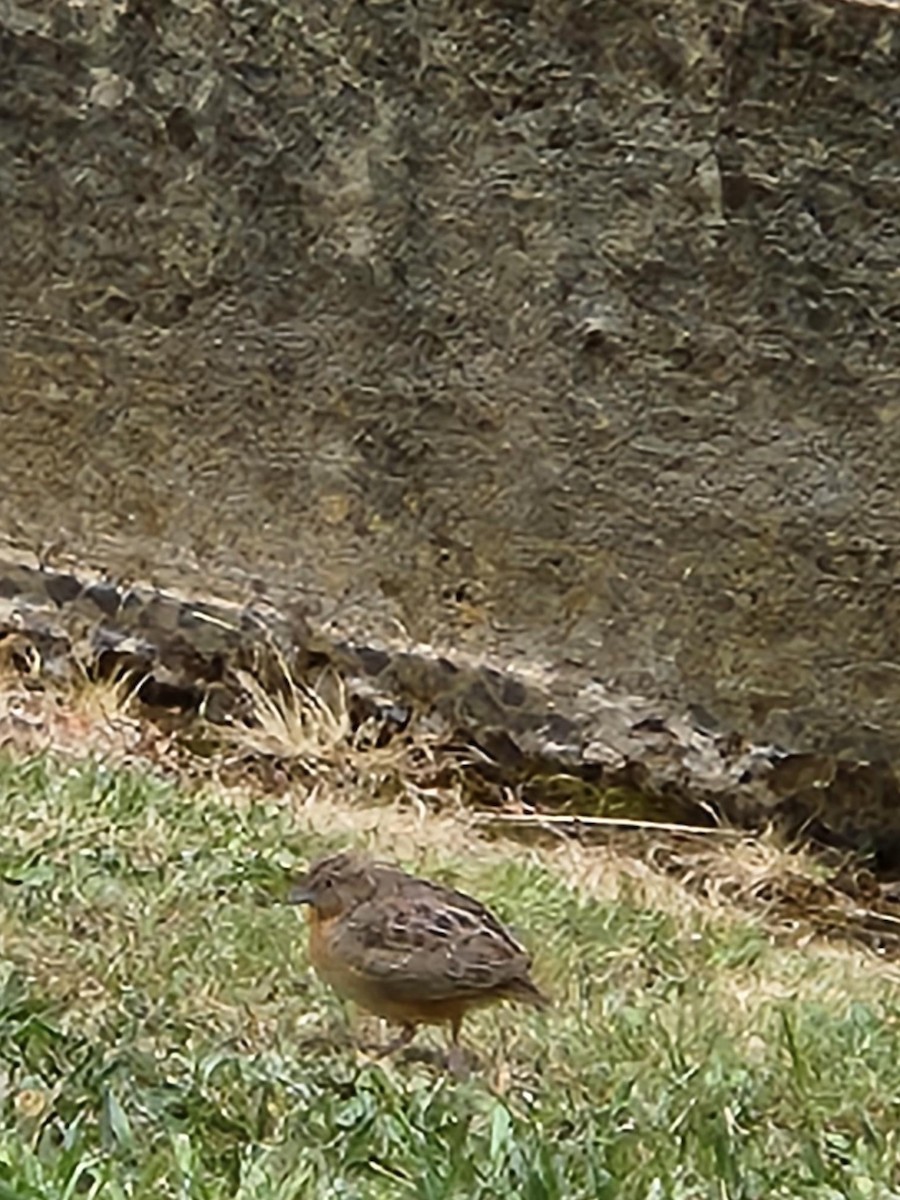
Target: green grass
{"type": "Point", "coordinates": [158, 1026]}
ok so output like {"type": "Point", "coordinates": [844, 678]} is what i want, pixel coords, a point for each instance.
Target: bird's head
{"type": "Point", "coordinates": [334, 885]}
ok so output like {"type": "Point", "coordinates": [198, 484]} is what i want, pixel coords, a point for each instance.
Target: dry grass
{"type": "Point", "coordinates": [298, 722]}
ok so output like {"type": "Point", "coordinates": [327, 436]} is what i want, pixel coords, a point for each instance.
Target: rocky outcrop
{"type": "Point", "coordinates": [561, 331]}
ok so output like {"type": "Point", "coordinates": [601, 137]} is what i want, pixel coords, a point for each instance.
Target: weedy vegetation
{"type": "Point", "coordinates": [162, 1035]}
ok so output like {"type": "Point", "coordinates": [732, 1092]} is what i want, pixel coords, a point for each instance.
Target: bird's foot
{"type": "Point", "coordinates": [459, 1063]}
{"type": "Point", "coordinates": [383, 1049]}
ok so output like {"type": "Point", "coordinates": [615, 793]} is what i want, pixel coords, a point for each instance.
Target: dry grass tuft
{"type": "Point", "coordinates": [309, 724]}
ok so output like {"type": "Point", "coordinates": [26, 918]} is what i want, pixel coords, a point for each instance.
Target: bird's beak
{"type": "Point", "coordinates": [300, 895]}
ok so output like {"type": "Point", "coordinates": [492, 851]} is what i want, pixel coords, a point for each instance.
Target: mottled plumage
{"type": "Point", "coordinates": [406, 949]}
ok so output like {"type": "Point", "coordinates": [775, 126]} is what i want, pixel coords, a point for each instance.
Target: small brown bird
{"type": "Point", "coordinates": [409, 950]}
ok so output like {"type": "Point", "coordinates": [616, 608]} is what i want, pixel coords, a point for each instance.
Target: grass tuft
{"type": "Point", "coordinates": [308, 722]}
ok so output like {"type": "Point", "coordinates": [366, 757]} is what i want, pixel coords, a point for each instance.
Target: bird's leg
{"type": "Point", "coordinates": [456, 1060]}
{"type": "Point", "coordinates": [403, 1038]}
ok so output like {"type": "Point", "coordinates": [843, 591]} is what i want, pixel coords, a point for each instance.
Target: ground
{"type": "Point", "coordinates": [161, 1033]}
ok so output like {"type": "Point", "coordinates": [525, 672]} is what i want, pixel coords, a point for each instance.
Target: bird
{"type": "Point", "coordinates": [409, 950]}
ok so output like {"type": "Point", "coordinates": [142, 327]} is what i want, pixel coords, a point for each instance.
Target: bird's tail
{"type": "Point", "coordinates": [524, 991]}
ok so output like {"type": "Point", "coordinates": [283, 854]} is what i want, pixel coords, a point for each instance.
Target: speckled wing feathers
{"type": "Point", "coordinates": [424, 946]}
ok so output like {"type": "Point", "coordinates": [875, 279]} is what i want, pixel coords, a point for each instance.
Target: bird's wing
{"type": "Point", "coordinates": [394, 882]}
{"type": "Point", "coordinates": [421, 946]}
